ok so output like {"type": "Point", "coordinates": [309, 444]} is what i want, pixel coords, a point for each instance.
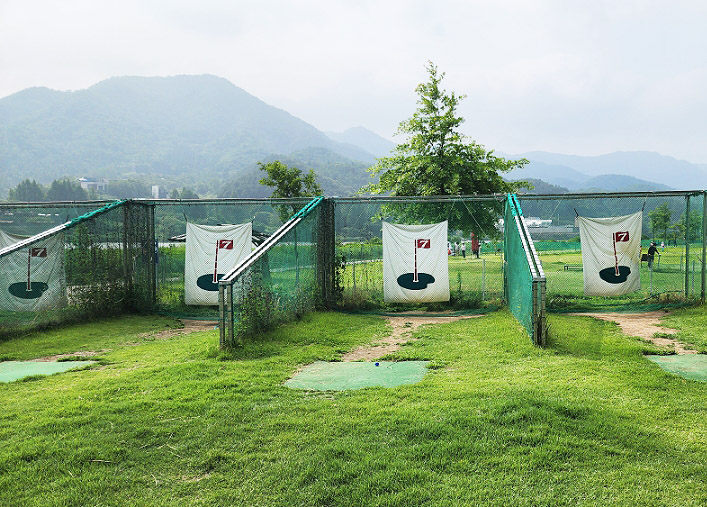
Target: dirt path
{"type": "Point", "coordinates": [644, 325]}
{"type": "Point", "coordinates": [190, 326]}
{"type": "Point", "coordinates": [403, 327]}
{"type": "Point", "coordinates": [74, 355]}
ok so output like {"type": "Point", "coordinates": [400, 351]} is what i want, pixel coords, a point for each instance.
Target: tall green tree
{"type": "Point", "coordinates": [27, 191]}
{"type": "Point", "coordinates": [289, 182]}
{"type": "Point", "coordinates": [692, 226]}
{"type": "Point", "coordinates": [660, 220]}
{"type": "Point", "coordinates": [437, 159]}
{"type": "Point", "coordinates": [66, 190]}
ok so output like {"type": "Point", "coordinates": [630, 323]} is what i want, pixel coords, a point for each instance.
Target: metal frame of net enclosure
{"type": "Point", "coordinates": [675, 220]}
{"type": "Point", "coordinates": [97, 263]}
{"type": "Point", "coordinates": [171, 218]}
{"type": "Point", "coordinates": [474, 280]}
{"type": "Point", "coordinates": [131, 256]}
{"type": "Point", "coordinates": [282, 279]}
{"type": "Point", "coordinates": [524, 280]}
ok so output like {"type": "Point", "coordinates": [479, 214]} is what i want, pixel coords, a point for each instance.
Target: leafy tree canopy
{"type": "Point", "coordinates": [289, 182]}
{"type": "Point", "coordinates": [660, 219]}
{"type": "Point", "coordinates": [66, 190]}
{"type": "Point", "coordinates": [27, 191]}
{"type": "Point", "coordinates": [437, 159]}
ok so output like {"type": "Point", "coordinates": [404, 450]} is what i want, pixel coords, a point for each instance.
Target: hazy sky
{"type": "Point", "coordinates": [579, 77]}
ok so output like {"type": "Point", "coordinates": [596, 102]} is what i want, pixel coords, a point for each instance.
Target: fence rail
{"type": "Point", "coordinates": [146, 237]}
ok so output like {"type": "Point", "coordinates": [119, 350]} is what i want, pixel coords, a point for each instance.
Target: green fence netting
{"type": "Point", "coordinates": [673, 220]}
{"type": "Point", "coordinates": [133, 255]}
{"type": "Point", "coordinates": [524, 280]}
{"type": "Point", "coordinates": [95, 264]}
{"type": "Point", "coordinates": [280, 281]}
{"type": "Point", "coordinates": [171, 217]}
{"type": "Point", "coordinates": [475, 276]}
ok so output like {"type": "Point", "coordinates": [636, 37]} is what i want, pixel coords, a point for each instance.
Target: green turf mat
{"type": "Point", "coordinates": [15, 370]}
{"type": "Point", "coordinates": [689, 366]}
{"type": "Point", "coordinates": [323, 376]}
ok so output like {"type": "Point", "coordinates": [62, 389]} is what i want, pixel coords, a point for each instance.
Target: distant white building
{"type": "Point", "coordinates": [537, 222]}
{"type": "Point", "coordinates": [155, 191]}
{"type": "Point", "coordinates": [93, 184]}
{"type": "Point", "coordinates": [529, 222]}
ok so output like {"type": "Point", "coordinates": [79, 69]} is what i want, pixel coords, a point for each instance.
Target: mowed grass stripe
{"type": "Point", "coordinates": [496, 422]}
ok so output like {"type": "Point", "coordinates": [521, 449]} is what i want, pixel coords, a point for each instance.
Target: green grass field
{"type": "Point", "coordinates": [174, 421]}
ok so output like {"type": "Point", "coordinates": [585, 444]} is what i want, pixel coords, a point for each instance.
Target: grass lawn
{"type": "Point", "coordinates": [173, 421]}
{"type": "Point", "coordinates": [691, 324]}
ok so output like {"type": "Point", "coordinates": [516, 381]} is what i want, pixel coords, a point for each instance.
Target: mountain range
{"type": "Point", "coordinates": [207, 133]}
{"type": "Point", "coordinates": [183, 128]}
{"type": "Point", "coordinates": [619, 171]}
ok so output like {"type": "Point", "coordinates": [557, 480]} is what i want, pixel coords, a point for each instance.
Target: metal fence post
{"type": "Point", "coordinates": [326, 252]}
{"type": "Point", "coordinates": [230, 324]}
{"type": "Point", "coordinates": [687, 246]}
{"type": "Point", "coordinates": [221, 317]}
{"type": "Point", "coordinates": [154, 255]}
{"type": "Point", "coordinates": [704, 243]}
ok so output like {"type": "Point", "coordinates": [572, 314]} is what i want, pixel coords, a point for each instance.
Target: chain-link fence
{"type": "Point", "coordinates": [475, 262]}
{"type": "Point", "coordinates": [670, 273]}
{"type": "Point", "coordinates": [132, 254]}
{"type": "Point", "coordinates": [58, 264]}
{"type": "Point", "coordinates": [280, 280]}
{"type": "Point", "coordinates": [524, 277]}
{"type": "Point", "coordinates": [171, 218]}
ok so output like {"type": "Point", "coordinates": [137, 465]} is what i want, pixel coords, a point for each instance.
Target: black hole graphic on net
{"type": "Point", "coordinates": [417, 280]}
{"type": "Point", "coordinates": [23, 291]}
{"type": "Point", "coordinates": [30, 289]}
{"type": "Point", "coordinates": [616, 274]}
{"type": "Point", "coordinates": [611, 275]}
{"type": "Point", "coordinates": [209, 281]}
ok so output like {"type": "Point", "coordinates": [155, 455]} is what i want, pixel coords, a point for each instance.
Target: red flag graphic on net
{"type": "Point", "coordinates": [621, 236]}
{"type": "Point", "coordinates": [423, 243]}
{"type": "Point", "coordinates": [221, 244]}
{"type": "Point", "coordinates": [38, 252]}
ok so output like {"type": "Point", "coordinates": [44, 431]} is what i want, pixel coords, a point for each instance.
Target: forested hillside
{"type": "Point", "coordinates": [184, 128]}
{"type": "Point", "coordinates": [336, 174]}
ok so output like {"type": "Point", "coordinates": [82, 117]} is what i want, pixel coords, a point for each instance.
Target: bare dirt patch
{"type": "Point", "coordinates": [78, 355]}
{"type": "Point", "coordinates": [403, 328]}
{"type": "Point", "coordinates": [190, 326]}
{"type": "Point", "coordinates": [644, 325]}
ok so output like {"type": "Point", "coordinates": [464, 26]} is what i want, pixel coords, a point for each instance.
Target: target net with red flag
{"type": "Point", "coordinates": [212, 251]}
{"type": "Point", "coordinates": [415, 264]}
{"type": "Point", "coordinates": [62, 262]}
{"type": "Point", "coordinates": [611, 254]}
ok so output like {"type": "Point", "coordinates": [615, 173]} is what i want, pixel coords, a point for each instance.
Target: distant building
{"type": "Point", "coordinates": [537, 222]}
{"type": "Point", "coordinates": [93, 184]}
{"type": "Point", "coordinates": [155, 191]}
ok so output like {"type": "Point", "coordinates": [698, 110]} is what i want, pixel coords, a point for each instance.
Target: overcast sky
{"type": "Point", "coordinates": [577, 77]}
